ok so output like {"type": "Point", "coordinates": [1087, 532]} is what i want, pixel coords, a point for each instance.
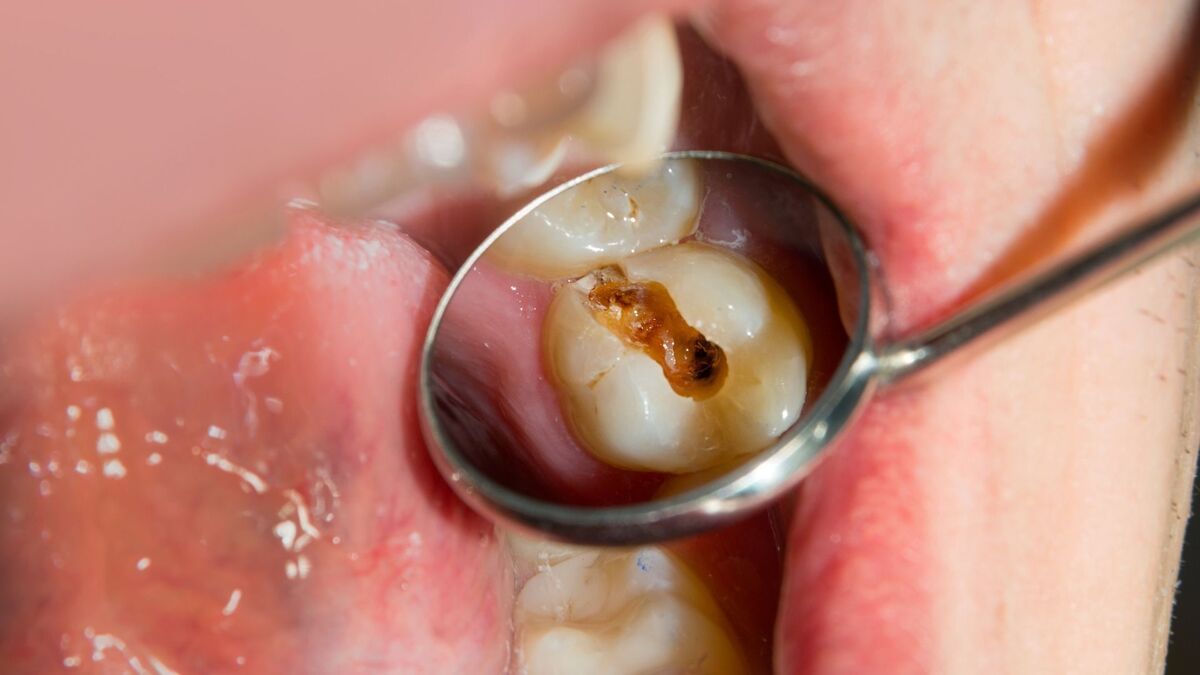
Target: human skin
{"type": "Point", "coordinates": [1022, 468]}
{"type": "Point", "coordinates": [1019, 512]}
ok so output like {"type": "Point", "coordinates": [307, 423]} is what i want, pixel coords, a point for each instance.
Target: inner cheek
{"type": "Point", "coordinates": [966, 514]}
{"type": "Point", "coordinates": [962, 519]}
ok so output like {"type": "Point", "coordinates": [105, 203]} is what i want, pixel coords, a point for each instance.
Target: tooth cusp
{"type": "Point", "coordinates": [678, 359]}
{"type": "Point", "coordinates": [637, 611]}
{"type": "Point", "coordinates": [601, 222]}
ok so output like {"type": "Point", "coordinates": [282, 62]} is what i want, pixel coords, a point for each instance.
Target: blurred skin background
{"type": "Point", "coordinates": [971, 140]}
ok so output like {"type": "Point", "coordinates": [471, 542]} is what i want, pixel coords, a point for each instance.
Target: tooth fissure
{"type": "Point", "coordinates": [668, 355]}
{"type": "Point", "coordinates": [677, 359]}
{"type": "Point", "coordinates": [601, 222]}
{"type": "Point", "coordinates": [644, 316]}
{"type": "Point", "coordinates": [638, 611]}
{"type": "Point", "coordinates": [633, 209]}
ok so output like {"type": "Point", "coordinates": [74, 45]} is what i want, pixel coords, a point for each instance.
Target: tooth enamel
{"type": "Point", "coordinates": [618, 398]}
{"type": "Point", "coordinates": [630, 612]}
{"type": "Point", "coordinates": [512, 165]}
{"type": "Point", "coordinates": [623, 106]}
{"type": "Point", "coordinates": [602, 221]}
{"type": "Point", "coordinates": [633, 111]}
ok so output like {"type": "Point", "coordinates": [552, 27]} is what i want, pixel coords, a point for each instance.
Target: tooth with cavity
{"type": "Point", "coordinates": [677, 359]}
{"type": "Point", "coordinates": [602, 221]}
{"type": "Point", "coordinates": [585, 611]}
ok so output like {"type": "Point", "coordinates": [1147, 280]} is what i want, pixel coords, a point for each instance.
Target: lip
{"type": "Point", "coordinates": [266, 108]}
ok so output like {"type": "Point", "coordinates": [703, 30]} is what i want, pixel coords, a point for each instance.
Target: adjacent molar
{"type": "Point", "coordinates": [677, 359]}
{"type": "Point", "coordinates": [634, 612]}
{"type": "Point", "coordinates": [603, 221]}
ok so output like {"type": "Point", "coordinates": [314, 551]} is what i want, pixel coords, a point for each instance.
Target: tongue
{"type": "Point", "coordinates": [229, 476]}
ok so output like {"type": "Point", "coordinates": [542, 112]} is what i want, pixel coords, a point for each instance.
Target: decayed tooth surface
{"type": "Point", "coordinates": [621, 404]}
{"type": "Point", "coordinates": [644, 316]}
{"type": "Point", "coordinates": [638, 611]}
{"type": "Point", "coordinates": [603, 221]}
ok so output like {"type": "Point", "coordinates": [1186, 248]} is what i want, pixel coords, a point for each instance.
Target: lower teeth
{"type": "Point", "coordinates": [635, 611]}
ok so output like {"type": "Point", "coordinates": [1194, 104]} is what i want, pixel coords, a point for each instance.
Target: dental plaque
{"type": "Point", "coordinates": [668, 352]}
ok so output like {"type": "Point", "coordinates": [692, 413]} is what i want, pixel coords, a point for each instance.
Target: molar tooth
{"type": "Point", "coordinates": [530, 555]}
{"type": "Point", "coordinates": [621, 611]}
{"type": "Point", "coordinates": [602, 221]}
{"type": "Point", "coordinates": [621, 403]}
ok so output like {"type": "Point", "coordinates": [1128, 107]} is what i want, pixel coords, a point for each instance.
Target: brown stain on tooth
{"type": "Point", "coordinates": [644, 316]}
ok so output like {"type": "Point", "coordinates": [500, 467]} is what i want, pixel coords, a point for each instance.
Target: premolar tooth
{"type": "Point", "coordinates": [602, 221]}
{"type": "Point", "coordinates": [512, 165]}
{"type": "Point", "coordinates": [617, 397]}
{"type": "Point", "coordinates": [623, 106]}
{"type": "Point", "coordinates": [630, 612]}
{"type": "Point", "coordinates": [546, 105]}
{"type": "Point", "coordinates": [633, 111]}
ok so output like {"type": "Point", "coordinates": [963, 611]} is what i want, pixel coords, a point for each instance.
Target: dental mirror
{"type": "Point", "coordinates": [642, 355]}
